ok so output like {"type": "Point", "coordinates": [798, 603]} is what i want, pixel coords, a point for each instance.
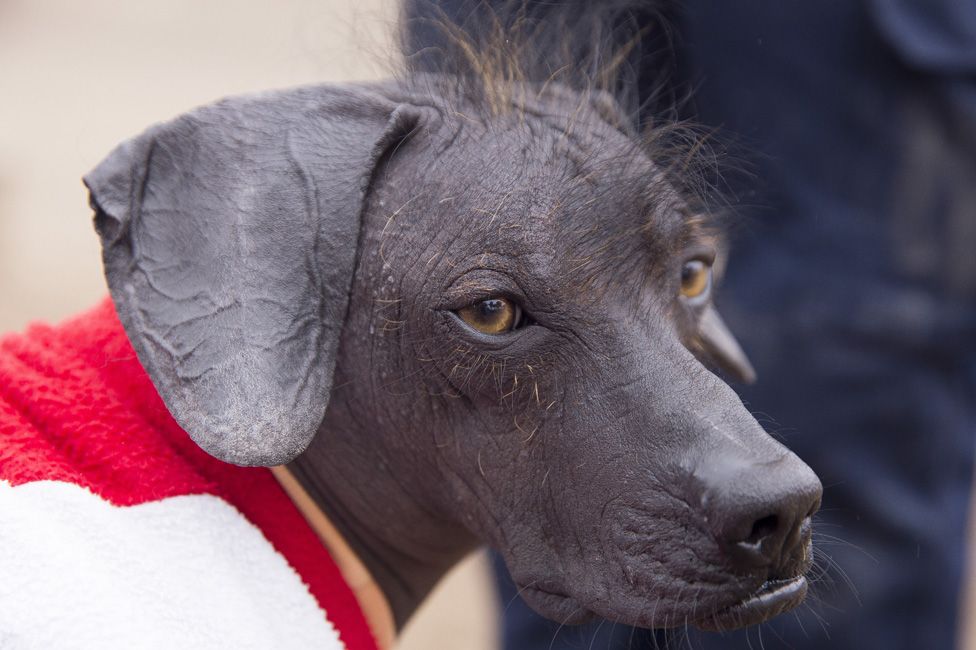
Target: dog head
{"type": "Point", "coordinates": [505, 311]}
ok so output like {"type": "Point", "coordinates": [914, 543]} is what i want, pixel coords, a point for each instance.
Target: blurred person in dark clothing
{"type": "Point", "coordinates": [852, 286]}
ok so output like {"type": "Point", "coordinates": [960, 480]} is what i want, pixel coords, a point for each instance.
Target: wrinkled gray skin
{"type": "Point", "coordinates": [275, 255]}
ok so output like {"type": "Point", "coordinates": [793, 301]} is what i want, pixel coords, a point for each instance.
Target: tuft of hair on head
{"type": "Point", "coordinates": [500, 55]}
{"type": "Point", "coordinates": [498, 49]}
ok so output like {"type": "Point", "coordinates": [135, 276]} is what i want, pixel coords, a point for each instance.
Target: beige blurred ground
{"type": "Point", "coordinates": [78, 77]}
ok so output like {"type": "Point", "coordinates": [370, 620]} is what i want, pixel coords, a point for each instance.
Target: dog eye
{"type": "Point", "coordinates": [696, 279]}
{"type": "Point", "coordinates": [492, 316]}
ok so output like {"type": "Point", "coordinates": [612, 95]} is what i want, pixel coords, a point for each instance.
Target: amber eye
{"type": "Point", "coordinates": [696, 279]}
{"type": "Point", "coordinates": [492, 316]}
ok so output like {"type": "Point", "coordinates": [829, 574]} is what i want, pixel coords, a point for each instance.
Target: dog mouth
{"type": "Point", "coordinates": [771, 599]}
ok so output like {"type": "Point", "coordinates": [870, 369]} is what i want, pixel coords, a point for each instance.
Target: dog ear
{"type": "Point", "coordinates": [229, 240]}
{"type": "Point", "coordinates": [722, 349]}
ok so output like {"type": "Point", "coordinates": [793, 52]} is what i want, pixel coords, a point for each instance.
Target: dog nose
{"type": "Point", "coordinates": [759, 512]}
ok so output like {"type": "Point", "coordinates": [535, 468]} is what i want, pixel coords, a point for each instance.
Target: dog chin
{"type": "Point", "coordinates": [556, 606]}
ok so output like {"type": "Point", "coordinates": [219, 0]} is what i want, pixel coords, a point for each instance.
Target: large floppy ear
{"type": "Point", "coordinates": [229, 240]}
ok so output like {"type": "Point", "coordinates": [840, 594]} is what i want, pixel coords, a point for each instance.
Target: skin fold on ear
{"type": "Point", "coordinates": [229, 241]}
{"type": "Point", "coordinates": [722, 348]}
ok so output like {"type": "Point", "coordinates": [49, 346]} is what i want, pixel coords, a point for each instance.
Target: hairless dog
{"type": "Point", "coordinates": [463, 312]}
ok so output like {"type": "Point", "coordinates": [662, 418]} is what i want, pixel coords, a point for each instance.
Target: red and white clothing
{"type": "Point", "coordinates": [117, 531]}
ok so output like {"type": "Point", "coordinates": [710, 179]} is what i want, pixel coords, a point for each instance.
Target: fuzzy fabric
{"type": "Point", "coordinates": [117, 531]}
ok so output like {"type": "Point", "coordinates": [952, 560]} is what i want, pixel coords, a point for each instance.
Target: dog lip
{"type": "Point", "coordinates": [772, 598]}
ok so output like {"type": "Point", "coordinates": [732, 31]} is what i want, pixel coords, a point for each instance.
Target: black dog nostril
{"type": "Point", "coordinates": [762, 529]}
{"type": "Point", "coordinates": [759, 512]}
{"type": "Point", "coordinates": [769, 529]}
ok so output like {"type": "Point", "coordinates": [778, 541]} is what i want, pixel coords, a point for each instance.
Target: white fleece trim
{"type": "Point", "coordinates": [187, 572]}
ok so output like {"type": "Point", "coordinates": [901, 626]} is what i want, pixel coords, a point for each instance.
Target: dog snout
{"type": "Point", "coordinates": [759, 512]}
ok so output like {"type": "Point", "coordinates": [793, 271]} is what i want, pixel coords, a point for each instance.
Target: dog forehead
{"type": "Point", "coordinates": [533, 167]}
{"type": "Point", "coordinates": [551, 138]}
{"type": "Point", "coordinates": [555, 181]}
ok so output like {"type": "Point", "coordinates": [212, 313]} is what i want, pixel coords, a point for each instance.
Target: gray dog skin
{"type": "Point", "coordinates": [290, 266]}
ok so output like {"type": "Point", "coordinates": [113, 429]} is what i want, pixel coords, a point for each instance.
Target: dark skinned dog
{"type": "Point", "coordinates": [461, 320]}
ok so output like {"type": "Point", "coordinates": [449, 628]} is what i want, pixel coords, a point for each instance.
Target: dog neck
{"type": "Point", "coordinates": [383, 501]}
{"type": "Point", "coordinates": [371, 599]}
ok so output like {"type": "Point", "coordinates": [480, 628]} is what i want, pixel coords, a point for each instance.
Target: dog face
{"type": "Point", "coordinates": [503, 307]}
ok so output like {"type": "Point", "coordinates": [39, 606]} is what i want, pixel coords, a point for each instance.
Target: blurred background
{"type": "Point", "coordinates": [77, 78]}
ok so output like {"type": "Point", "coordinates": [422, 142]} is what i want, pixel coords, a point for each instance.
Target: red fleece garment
{"type": "Point", "coordinates": [76, 406]}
